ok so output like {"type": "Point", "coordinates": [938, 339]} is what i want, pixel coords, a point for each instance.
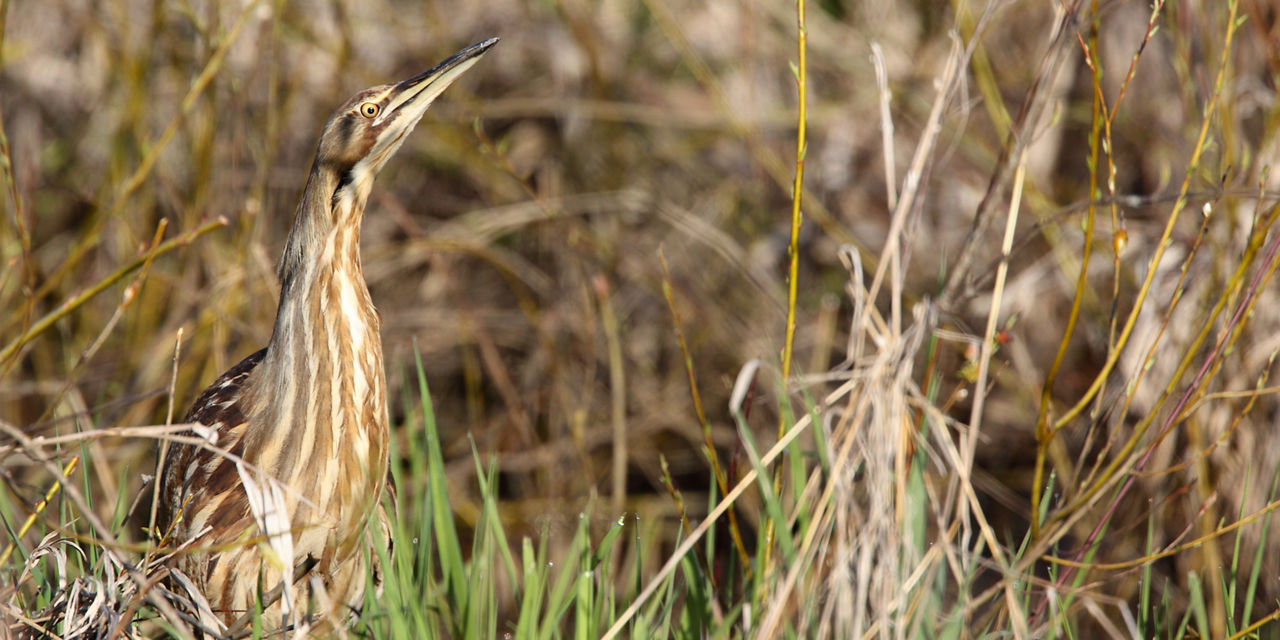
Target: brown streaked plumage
{"type": "Point", "coordinates": [309, 410]}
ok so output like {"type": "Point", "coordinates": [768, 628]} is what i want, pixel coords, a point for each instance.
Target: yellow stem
{"type": "Point", "coordinates": [40, 506]}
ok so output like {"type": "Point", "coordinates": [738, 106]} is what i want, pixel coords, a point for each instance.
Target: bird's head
{"type": "Point", "coordinates": [366, 130]}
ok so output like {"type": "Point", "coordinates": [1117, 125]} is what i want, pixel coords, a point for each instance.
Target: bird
{"type": "Point", "coordinates": [305, 417]}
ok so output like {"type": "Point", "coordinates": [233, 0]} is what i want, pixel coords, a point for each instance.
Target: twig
{"type": "Point", "coordinates": [110, 543]}
{"type": "Point", "coordinates": [793, 265]}
{"type": "Point", "coordinates": [10, 350]}
{"type": "Point", "coordinates": [958, 287]}
{"type": "Point", "coordinates": [155, 148]}
{"type": "Point", "coordinates": [164, 446]}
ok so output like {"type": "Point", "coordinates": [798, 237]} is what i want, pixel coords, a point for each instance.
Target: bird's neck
{"type": "Point", "coordinates": [324, 362]}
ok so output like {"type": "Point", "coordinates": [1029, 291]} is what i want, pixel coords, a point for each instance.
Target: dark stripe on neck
{"type": "Point", "coordinates": [344, 179]}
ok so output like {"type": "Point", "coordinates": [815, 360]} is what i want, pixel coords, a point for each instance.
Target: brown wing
{"type": "Point", "coordinates": [191, 471]}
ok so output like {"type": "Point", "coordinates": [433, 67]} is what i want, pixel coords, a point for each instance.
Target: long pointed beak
{"type": "Point", "coordinates": [412, 97]}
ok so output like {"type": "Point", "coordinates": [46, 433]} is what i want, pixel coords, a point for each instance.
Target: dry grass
{"type": "Point", "coordinates": [1060, 442]}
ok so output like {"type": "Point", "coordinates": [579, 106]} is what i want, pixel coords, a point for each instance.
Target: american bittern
{"type": "Point", "coordinates": [309, 411]}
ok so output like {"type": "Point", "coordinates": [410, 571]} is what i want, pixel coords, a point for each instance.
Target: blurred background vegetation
{"type": "Point", "coordinates": [516, 243]}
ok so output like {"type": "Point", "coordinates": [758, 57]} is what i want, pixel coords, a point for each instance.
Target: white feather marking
{"type": "Point", "coordinates": [354, 317]}
{"type": "Point", "coordinates": [271, 513]}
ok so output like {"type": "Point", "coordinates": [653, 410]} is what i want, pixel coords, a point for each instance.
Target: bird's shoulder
{"type": "Point", "coordinates": [218, 405]}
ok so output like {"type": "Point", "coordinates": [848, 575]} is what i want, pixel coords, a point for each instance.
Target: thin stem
{"type": "Point", "coordinates": [74, 303]}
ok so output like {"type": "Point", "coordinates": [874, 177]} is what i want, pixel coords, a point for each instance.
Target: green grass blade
{"type": "Point", "coordinates": [535, 583]}
{"type": "Point", "coordinates": [490, 506]}
{"type": "Point", "coordinates": [772, 504]}
{"type": "Point", "coordinates": [446, 534]}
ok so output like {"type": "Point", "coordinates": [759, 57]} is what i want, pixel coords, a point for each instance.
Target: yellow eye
{"type": "Point", "coordinates": [369, 109]}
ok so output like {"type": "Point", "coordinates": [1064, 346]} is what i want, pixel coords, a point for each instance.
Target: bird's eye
{"type": "Point", "coordinates": [369, 109]}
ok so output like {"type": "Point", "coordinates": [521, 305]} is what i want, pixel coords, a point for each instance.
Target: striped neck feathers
{"type": "Point", "coordinates": [320, 392]}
